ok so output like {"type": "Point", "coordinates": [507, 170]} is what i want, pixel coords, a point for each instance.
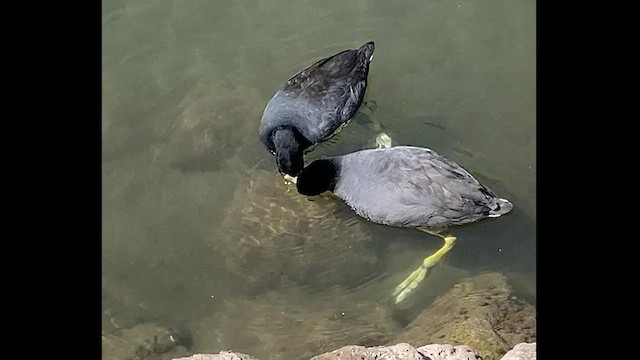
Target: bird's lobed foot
{"type": "Point", "coordinates": [411, 282]}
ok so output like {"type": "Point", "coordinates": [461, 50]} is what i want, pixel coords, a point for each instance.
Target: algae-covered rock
{"type": "Point", "coordinates": [292, 324]}
{"type": "Point", "coordinates": [273, 234]}
{"type": "Point", "coordinates": [480, 312]}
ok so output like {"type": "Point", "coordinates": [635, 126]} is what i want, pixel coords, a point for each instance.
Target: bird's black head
{"type": "Point", "coordinates": [320, 176]}
{"type": "Point", "coordinates": [289, 149]}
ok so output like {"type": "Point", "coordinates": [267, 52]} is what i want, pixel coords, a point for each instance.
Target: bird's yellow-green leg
{"type": "Point", "coordinates": [411, 282]}
{"type": "Point", "coordinates": [382, 140]}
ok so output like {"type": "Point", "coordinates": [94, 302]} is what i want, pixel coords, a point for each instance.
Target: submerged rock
{"type": "Point", "coordinates": [273, 234]}
{"type": "Point", "coordinates": [293, 324]}
{"type": "Point", "coordinates": [478, 318]}
{"type": "Point", "coordinates": [213, 125]}
{"type": "Point", "coordinates": [147, 341]}
{"type": "Point", "coordinates": [480, 312]}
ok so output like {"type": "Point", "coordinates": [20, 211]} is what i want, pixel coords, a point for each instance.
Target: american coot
{"type": "Point", "coordinates": [313, 105]}
{"type": "Point", "coordinates": [405, 186]}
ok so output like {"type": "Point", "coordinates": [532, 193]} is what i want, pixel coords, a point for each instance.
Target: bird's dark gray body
{"type": "Point", "coordinates": [320, 99]}
{"type": "Point", "coordinates": [413, 187]}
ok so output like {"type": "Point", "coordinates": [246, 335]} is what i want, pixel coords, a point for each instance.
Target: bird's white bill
{"type": "Point", "coordinates": [290, 178]}
{"type": "Point", "coordinates": [383, 141]}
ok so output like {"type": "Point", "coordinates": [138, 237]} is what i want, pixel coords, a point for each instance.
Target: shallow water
{"type": "Point", "coordinates": [195, 236]}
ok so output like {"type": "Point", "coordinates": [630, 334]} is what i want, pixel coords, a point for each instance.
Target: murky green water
{"type": "Point", "coordinates": [199, 234]}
